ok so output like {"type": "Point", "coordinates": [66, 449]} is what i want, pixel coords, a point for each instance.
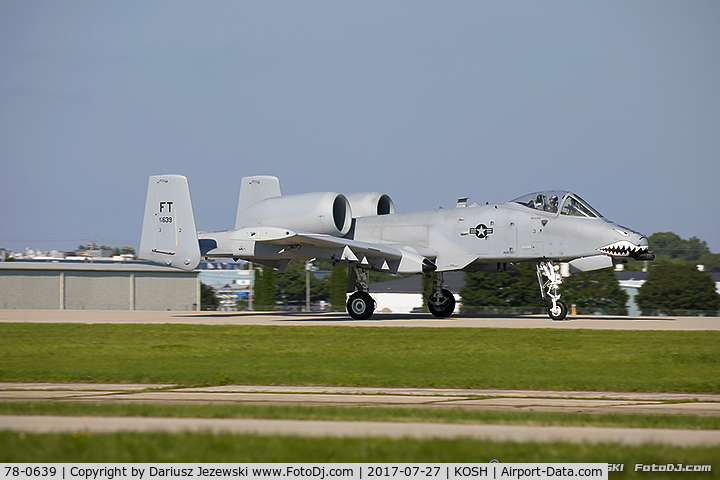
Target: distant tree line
{"type": "Point", "coordinates": [677, 289]}
{"type": "Point", "coordinates": [671, 289]}
{"type": "Point", "coordinates": [518, 291]}
{"type": "Point", "coordinates": [669, 247]}
{"type": "Point", "coordinates": [674, 285]}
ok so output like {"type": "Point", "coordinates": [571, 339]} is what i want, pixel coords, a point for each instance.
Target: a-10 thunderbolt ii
{"type": "Point", "coordinates": [363, 232]}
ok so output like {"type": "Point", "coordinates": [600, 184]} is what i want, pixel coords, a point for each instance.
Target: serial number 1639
{"type": "Point", "coordinates": [30, 471]}
{"type": "Point", "coordinates": [404, 471]}
{"type": "Point", "coordinates": [165, 219]}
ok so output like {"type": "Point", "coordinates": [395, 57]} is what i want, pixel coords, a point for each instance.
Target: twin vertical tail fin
{"type": "Point", "coordinates": [255, 189]}
{"type": "Point", "coordinates": [169, 236]}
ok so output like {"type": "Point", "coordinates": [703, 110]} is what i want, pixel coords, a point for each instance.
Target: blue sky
{"type": "Point", "coordinates": [425, 101]}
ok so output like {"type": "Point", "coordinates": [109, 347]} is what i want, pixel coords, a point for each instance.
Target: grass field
{"type": "Point", "coordinates": [481, 358]}
{"type": "Point", "coordinates": [194, 447]}
{"type": "Point", "coordinates": [448, 357]}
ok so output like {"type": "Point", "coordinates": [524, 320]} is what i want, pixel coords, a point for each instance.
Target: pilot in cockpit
{"type": "Point", "coordinates": [553, 205]}
{"type": "Point", "coordinates": [538, 203]}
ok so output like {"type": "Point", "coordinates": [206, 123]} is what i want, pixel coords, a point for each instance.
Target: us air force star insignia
{"type": "Point", "coordinates": [481, 231]}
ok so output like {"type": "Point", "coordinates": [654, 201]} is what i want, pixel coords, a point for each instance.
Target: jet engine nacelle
{"type": "Point", "coordinates": [321, 212]}
{"type": "Point", "coordinates": [370, 204]}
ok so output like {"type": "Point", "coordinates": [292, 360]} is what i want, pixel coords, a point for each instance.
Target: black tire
{"type": "Point", "coordinates": [444, 304]}
{"type": "Point", "coordinates": [561, 315]}
{"type": "Point", "coordinates": [360, 306]}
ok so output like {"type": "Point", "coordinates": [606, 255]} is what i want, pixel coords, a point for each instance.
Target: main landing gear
{"type": "Point", "coordinates": [360, 305]}
{"type": "Point", "coordinates": [441, 301]}
{"type": "Point", "coordinates": [546, 268]}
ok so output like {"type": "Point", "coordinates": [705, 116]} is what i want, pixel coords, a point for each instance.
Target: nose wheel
{"type": "Point", "coordinates": [559, 311]}
{"type": "Point", "coordinates": [546, 268]}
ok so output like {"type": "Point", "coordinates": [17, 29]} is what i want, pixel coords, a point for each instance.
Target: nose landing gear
{"type": "Point", "coordinates": [546, 268]}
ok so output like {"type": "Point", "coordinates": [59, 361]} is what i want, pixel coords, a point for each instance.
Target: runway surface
{"type": "Point", "coordinates": [480, 399]}
{"type": "Point", "coordinates": [328, 396]}
{"type": "Point", "coordinates": [378, 320]}
{"type": "Point", "coordinates": [320, 428]}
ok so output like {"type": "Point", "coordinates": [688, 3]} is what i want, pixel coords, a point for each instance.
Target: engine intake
{"type": "Point", "coordinates": [370, 204]}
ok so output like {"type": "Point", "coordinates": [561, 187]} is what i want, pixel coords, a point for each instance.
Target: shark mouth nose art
{"type": "Point", "coordinates": [624, 249]}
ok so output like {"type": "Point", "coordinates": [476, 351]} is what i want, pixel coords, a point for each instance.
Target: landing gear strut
{"type": "Point", "coordinates": [441, 302]}
{"type": "Point", "coordinates": [546, 268]}
{"type": "Point", "coordinates": [360, 305]}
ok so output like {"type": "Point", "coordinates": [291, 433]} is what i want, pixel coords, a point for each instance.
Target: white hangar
{"type": "Point", "coordinates": [97, 286]}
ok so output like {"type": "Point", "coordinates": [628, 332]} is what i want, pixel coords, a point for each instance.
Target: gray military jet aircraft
{"type": "Point", "coordinates": [363, 232]}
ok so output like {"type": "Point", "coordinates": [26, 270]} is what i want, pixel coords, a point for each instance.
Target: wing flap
{"type": "Point", "coordinates": [393, 258]}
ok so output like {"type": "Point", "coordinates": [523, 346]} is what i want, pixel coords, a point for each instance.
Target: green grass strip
{"type": "Point", "coordinates": [198, 447]}
{"type": "Point", "coordinates": [677, 361]}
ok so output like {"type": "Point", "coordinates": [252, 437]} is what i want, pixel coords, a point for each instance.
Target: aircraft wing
{"type": "Point", "coordinates": [388, 257]}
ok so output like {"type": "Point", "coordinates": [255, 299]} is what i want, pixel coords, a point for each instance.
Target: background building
{"type": "Point", "coordinates": [97, 286]}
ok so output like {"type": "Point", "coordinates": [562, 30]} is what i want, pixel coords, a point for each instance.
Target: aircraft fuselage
{"type": "Point", "coordinates": [363, 232]}
{"type": "Point", "coordinates": [473, 236]}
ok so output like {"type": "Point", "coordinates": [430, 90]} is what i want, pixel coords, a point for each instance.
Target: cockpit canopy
{"type": "Point", "coordinates": [552, 201]}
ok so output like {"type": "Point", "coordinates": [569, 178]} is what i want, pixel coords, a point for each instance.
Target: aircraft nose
{"type": "Point", "coordinates": [643, 252]}
{"type": "Point", "coordinates": [628, 243]}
